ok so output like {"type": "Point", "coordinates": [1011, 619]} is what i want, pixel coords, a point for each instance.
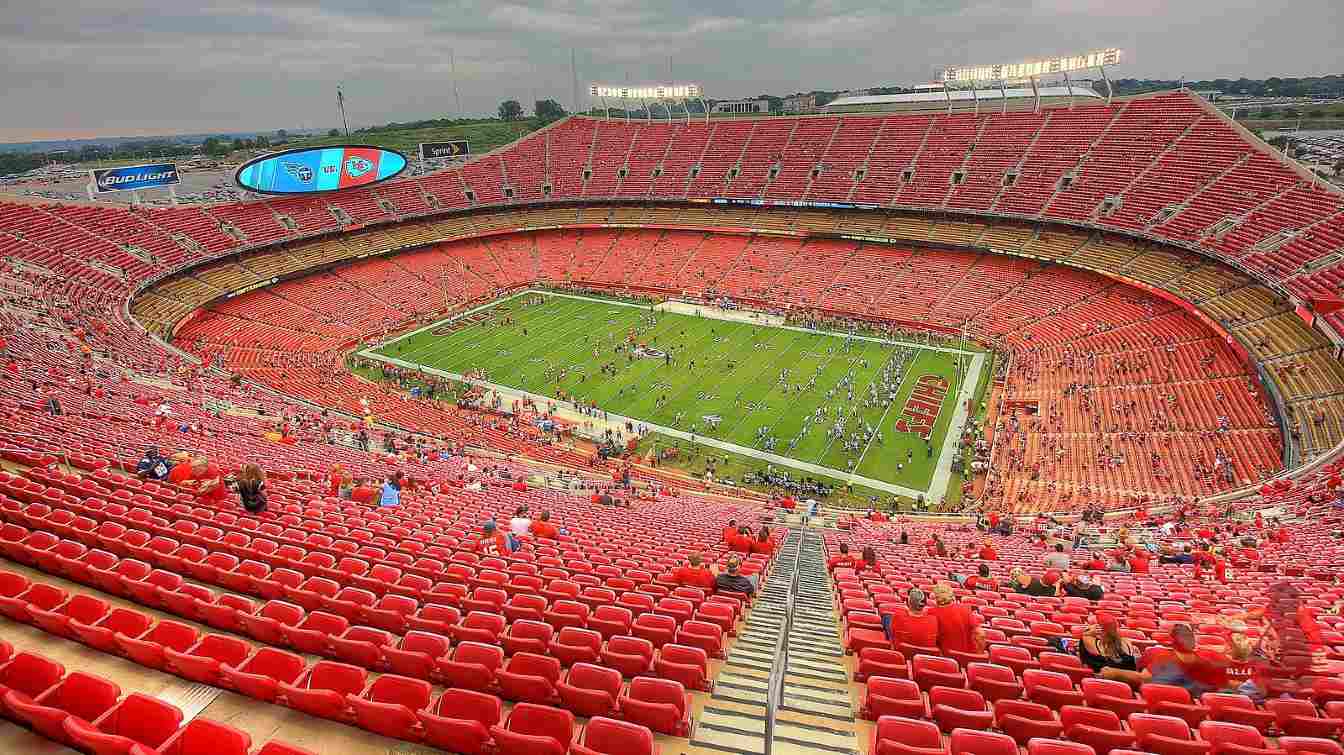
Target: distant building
{"type": "Point", "coordinates": [800, 104]}
{"type": "Point", "coordinates": [741, 106]}
{"type": "Point", "coordinates": [959, 100]}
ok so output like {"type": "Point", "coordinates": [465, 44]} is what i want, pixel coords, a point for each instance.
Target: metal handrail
{"type": "Point", "coordinates": [774, 693]}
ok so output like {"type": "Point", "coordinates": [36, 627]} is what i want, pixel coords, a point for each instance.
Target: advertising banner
{"type": "Point", "coordinates": [444, 150]}
{"type": "Point", "coordinates": [133, 177]}
{"type": "Point", "coordinates": [319, 169]}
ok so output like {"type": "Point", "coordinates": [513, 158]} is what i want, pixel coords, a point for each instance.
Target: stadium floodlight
{"type": "Point", "coordinates": [666, 93]}
{"type": "Point", "coordinates": [1032, 70]}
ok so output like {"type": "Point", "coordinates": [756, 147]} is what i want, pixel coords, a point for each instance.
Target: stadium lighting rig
{"type": "Point", "coordinates": [1032, 71]}
{"type": "Point", "coordinates": [646, 93]}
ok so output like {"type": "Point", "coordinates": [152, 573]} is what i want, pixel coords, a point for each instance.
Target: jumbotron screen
{"type": "Point", "coordinates": [315, 169]}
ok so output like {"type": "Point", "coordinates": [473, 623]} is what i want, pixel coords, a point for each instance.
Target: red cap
{"type": "Point", "coordinates": [1107, 620]}
{"type": "Point", "coordinates": [1050, 577]}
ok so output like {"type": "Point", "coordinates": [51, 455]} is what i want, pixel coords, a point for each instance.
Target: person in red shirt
{"type": "Point", "coordinates": [763, 544]}
{"type": "Point", "coordinates": [867, 561]}
{"type": "Point", "coordinates": [730, 532]}
{"type": "Point", "coordinates": [694, 574]}
{"type": "Point", "coordinates": [542, 529]}
{"type": "Point", "coordinates": [1096, 563]}
{"type": "Point", "coordinates": [914, 625]}
{"type": "Point", "coordinates": [334, 480]}
{"type": "Point", "coordinates": [987, 552]}
{"type": "Point", "coordinates": [843, 559]}
{"type": "Point", "coordinates": [363, 492]}
{"type": "Point", "coordinates": [201, 477]}
{"type": "Point", "coordinates": [957, 626]}
{"type": "Point", "coordinates": [742, 541]}
{"type": "Point", "coordinates": [1281, 534]}
{"type": "Point", "coordinates": [1138, 561]}
{"type": "Point", "coordinates": [489, 541]}
{"type": "Point", "coordinates": [1182, 665]}
{"type": "Point", "coordinates": [980, 580]}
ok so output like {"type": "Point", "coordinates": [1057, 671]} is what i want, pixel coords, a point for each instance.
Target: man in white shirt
{"type": "Point", "coordinates": [1057, 560]}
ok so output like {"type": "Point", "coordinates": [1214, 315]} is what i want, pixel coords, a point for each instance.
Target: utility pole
{"type": "Point", "coordinates": [340, 102]}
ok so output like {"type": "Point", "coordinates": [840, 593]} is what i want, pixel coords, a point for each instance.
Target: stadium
{"type": "Point", "coordinates": [1103, 336]}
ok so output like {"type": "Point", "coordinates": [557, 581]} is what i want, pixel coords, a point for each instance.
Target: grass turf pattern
{"type": "Point", "coordinates": [732, 370]}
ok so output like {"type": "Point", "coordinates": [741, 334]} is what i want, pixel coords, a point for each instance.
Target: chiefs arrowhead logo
{"type": "Point", "coordinates": [357, 166]}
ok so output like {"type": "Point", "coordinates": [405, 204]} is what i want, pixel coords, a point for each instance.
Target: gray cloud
{"type": "Point", "coordinates": [133, 66]}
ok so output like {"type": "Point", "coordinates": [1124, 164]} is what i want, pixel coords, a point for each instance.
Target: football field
{"type": "Point", "coordinates": [846, 404]}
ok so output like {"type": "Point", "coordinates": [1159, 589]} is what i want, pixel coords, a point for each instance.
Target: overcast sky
{"type": "Point", "coordinates": [73, 68]}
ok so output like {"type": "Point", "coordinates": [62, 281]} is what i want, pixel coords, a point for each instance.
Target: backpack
{"type": "Point", "coordinates": [514, 543]}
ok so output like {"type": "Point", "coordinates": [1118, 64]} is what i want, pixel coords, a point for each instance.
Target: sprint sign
{"type": "Point", "coordinates": [921, 409]}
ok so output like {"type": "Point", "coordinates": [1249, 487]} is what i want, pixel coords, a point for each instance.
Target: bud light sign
{"type": "Point", "coordinates": [305, 171]}
{"type": "Point", "coordinates": [134, 177]}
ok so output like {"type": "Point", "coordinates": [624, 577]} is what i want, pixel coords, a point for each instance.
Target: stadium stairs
{"type": "Point", "coordinates": [815, 712]}
{"type": "Point", "coordinates": [735, 717]}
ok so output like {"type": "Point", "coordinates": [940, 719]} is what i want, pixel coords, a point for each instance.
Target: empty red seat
{"type": "Point", "coordinates": [1170, 700]}
{"type": "Point", "coordinates": [460, 721]}
{"type": "Point", "coordinates": [78, 695]}
{"type": "Point", "coordinates": [202, 662]}
{"type": "Point", "coordinates": [202, 736]}
{"type": "Point", "coordinates": [361, 646]}
{"type": "Point", "coordinates": [969, 742]}
{"type": "Point", "coordinates": [136, 720]}
{"type": "Point", "coordinates": [149, 648]}
{"type": "Point", "coordinates": [1300, 718]}
{"type": "Point", "coordinates": [687, 665]}
{"type": "Point", "coordinates": [101, 635]}
{"type": "Point", "coordinates": [660, 704]}
{"type": "Point", "coordinates": [632, 656]}
{"type": "Point", "coordinates": [895, 735]}
{"type": "Point", "coordinates": [261, 675]}
{"type": "Point", "coordinates": [1058, 747]}
{"type": "Point", "coordinates": [590, 690]}
{"type": "Point", "coordinates": [1112, 695]}
{"type": "Point", "coordinates": [993, 681]}
{"type": "Point", "coordinates": [528, 677]}
{"type": "Point", "coordinates": [535, 730]}
{"type": "Point", "coordinates": [1234, 739]}
{"type": "Point", "coordinates": [611, 621]}
{"type": "Point", "coordinates": [527, 636]}
{"type": "Point", "coordinates": [313, 634]}
{"type": "Point", "coordinates": [83, 608]}
{"type": "Point", "coordinates": [884, 696]}
{"type": "Point", "coordinates": [1050, 688]}
{"type": "Point", "coordinates": [1311, 745]}
{"type": "Point", "coordinates": [322, 690]}
{"type": "Point", "coordinates": [1165, 735]}
{"type": "Point", "coordinates": [606, 736]}
{"type": "Point", "coordinates": [1097, 727]}
{"type": "Point", "coordinates": [574, 645]}
{"type": "Point", "coordinates": [929, 671]}
{"type": "Point", "coordinates": [27, 675]}
{"type": "Point", "coordinates": [390, 704]}
{"type": "Point", "coordinates": [1023, 720]}
{"type": "Point", "coordinates": [473, 665]}
{"type": "Point", "coordinates": [953, 707]}
{"type": "Point", "coordinates": [269, 623]}
{"type": "Point", "coordinates": [657, 629]}
{"type": "Point", "coordinates": [417, 654]}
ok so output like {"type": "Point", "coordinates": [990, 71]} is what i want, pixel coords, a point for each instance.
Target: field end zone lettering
{"type": "Point", "coordinates": [921, 410]}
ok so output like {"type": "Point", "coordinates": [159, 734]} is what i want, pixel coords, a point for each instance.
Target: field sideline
{"type": "Point", "coordinates": [718, 368]}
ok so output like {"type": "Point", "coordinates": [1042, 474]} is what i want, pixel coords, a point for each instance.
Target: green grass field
{"type": "Point", "coordinates": [729, 369]}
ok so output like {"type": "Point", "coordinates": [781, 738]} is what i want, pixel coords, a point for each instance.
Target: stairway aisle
{"type": "Point", "coordinates": [733, 719]}
{"type": "Point", "coordinates": [815, 715]}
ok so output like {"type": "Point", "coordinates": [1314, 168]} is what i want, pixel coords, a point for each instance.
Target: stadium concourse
{"type": "Point", "coordinates": [1135, 266]}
